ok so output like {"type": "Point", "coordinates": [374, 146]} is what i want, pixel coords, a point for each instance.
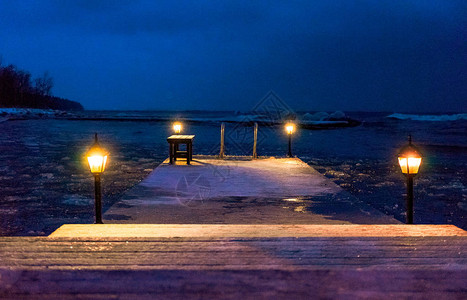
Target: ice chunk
{"type": "Point", "coordinates": [77, 200]}
{"type": "Point", "coordinates": [430, 118]}
{"type": "Point", "coordinates": [319, 116]}
{"type": "Point", "coordinates": [337, 115]}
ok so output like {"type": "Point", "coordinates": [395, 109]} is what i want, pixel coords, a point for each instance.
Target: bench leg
{"type": "Point", "coordinates": [191, 151]}
{"type": "Point", "coordinates": [175, 151]}
{"type": "Point", "coordinates": [171, 153]}
{"type": "Point", "coordinates": [188, 151]}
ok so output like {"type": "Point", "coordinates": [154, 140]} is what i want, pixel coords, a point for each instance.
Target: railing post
{"type": "Point", "coordinates": [255, 140]}
{"type": "Point", "coordinates": [221, 154]}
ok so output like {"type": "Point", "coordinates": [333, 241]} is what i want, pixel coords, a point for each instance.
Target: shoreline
{"type": "Point", "coordinates": [15, 114]}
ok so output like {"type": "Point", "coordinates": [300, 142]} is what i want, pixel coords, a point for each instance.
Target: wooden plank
{"type": "Point", "coordinates": [259, 284]}
{"type": "Point", "coordinates": [226, 258]}
{"type": "Point", "coordinates": [252, 230]}
{"type": "Point", "coordinates": [319, 242]}
{"type": "Point", "coordinates": [324, 253]}
{"type": "Point", "coordinates": [235, 247]}
{"type": "Point", "coordinates": [181, 137]}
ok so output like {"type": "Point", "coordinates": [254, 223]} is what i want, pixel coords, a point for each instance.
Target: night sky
{"type": "Point", "coordinates": [380, 55]}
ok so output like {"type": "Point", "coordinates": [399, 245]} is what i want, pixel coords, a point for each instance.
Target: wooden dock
{"type": "Point", "coordinates": [230, 229]}
{"type": "Point", "coordinates": [241, 191]}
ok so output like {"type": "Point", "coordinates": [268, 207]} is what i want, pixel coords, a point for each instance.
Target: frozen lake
{"type": "Point", "coordinates": [44, 181]}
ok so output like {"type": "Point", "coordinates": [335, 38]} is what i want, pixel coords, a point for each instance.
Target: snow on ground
{"type": "Point", "coordinates": [24, 111]}
{"type": "Point", "coordinates": [240, 191]}
{"type": "Point", "coordinates": [284, 177]}
{"type": "Point", "coordinates": [7, 113]}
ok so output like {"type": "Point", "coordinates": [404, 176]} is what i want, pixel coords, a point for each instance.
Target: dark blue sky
{"type": "Point", "coordinates": [226, 55]}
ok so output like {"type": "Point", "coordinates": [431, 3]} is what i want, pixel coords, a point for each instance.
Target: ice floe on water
{"type": "Point", "coordinates": [430, 118]}
{"type": "Point", "coordinates": [77, 200]}
{"type": "Point", "coordinates": [462, 205]}
{"type": "Point", "coordinates": [324, 116]}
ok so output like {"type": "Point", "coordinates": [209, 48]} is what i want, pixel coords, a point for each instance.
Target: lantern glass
{"type": "Point", "coordinates": [410, 159]}
{"type": "Point", "coordinates": [290, 128]}
{"type": "Point", "coordinates": [177, 127]}
{"type": "Point", "coordinates": [97, 163]}
{"type": "Point", "coordinates": [97, 158]}
{"type": "Point", "coordinates": [410, 164]}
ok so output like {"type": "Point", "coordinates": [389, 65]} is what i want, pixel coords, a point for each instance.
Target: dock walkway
{"type": "Point", "coordinates": [241, 191]}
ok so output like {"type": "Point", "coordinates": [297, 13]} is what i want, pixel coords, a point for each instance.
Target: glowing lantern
{"type": "Point", "coordinates": [97, 158]}
{"type": "Point", "coordinates": [409, 159]}
{"type": "Point", "coordinates": [290, 128]}
{"type": "Point", "coordinates": [177, 127]}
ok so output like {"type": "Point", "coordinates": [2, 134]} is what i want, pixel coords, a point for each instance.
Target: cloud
{"type": "Point", "coordinates": [131, 17]}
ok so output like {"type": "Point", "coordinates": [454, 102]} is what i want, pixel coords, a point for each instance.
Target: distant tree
{"type": "Point", "coordinates": [8, 83]}
{"type": "Point", "coordinates": [44, 84]}
{"type": "Point", "coordinates": [17, 90]}
{"type": "Point", "coordinates": [23, 85]}
{"type": "Point", "coordinates": [23, 81]}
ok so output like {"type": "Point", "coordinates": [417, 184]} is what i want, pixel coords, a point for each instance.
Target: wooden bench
{"type": "Point", "coordinates": [174, 152]}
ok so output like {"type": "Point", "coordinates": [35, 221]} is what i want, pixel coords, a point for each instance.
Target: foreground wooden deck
{"type": "Point", "coordinates": [213, 266]}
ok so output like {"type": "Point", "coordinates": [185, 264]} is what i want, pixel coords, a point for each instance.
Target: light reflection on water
{"type": "Point", "coordinates": [292, 200]}
{"type": "Point", "coordinates": [301, 208]}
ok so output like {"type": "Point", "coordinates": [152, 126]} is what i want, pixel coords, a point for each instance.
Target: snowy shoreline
{"type": "Point", "coordinates": [319, 120]}
{"type": "Point", "coordinates": [13, 113]}
{"type": "Point", "coordinates": [313, 121]}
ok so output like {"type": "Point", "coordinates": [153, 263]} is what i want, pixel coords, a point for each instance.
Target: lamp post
{"type": "Point", "coordinates": [177, 130]}
{"type": "Point", "coordinates": [177, 127]}
{"type": "Point", "coordinates": [290, 128]}
{"type": "Point", "coordinates": [410, 159]}
{"type": "Point", "coordinates": [97, 159]}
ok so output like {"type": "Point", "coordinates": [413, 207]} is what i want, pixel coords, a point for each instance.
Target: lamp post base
{"type": "Point", "coordinates": [409, 217]}
{"type": "Point", "coordinates": [289, 154]}
{"type": "Point", "coordinates": [98, 199]}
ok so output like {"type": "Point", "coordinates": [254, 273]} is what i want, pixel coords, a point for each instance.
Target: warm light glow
{"type": "Point", "coordinates": [177, 127]}
{"type": "Point", "coordinates": [97, 158]}
{"type": "Point", "coordinates": [410, 158]}
{"type": "Point", "coordinates": [97, 163]}
{"type": "Point", "coordinates": [290, 128]}
{"type": "Point", "coordinates": [410, 165]}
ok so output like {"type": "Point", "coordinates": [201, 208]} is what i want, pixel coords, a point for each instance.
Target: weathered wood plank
{"type": "Point", "coordinates": [381, 252]}
{"type": "Point", "coordinates": [237, 253]}
{"type": "Point", "coordinates": [302, 284]}
{"type": "Point", "coordinates": [222, 258]}
{"type": "Point", "coordinates": [251, 230]}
